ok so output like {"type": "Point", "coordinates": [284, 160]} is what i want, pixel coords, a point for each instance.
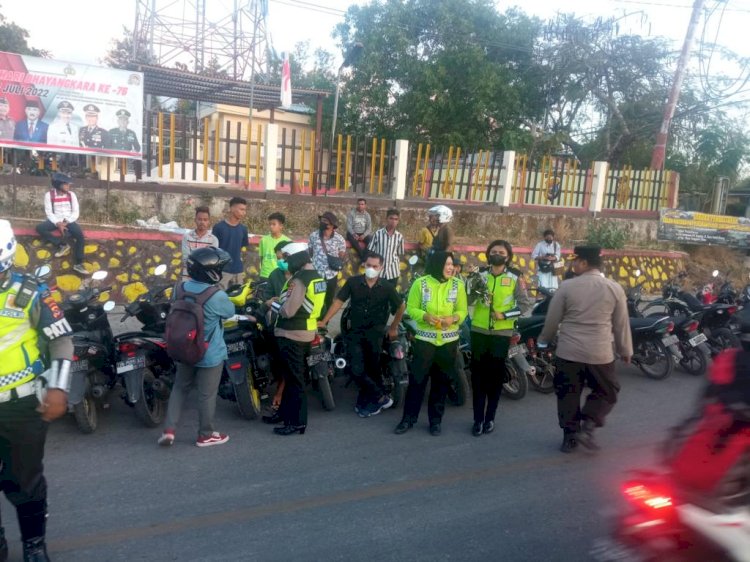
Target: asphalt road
{"type": "Point", "coordinates": [349, 489]}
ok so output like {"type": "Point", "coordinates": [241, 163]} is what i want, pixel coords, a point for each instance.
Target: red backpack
{"type": "Point", "coordinates": [184, 335]}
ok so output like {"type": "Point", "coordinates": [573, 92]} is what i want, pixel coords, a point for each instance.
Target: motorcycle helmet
{"type": "Point", "coordinates": [7, 246]}
{"type": "Point", "coordinates": [443, 213]}
{"type": "Point", "coordinates": [206, 264]}
{"type": "Point", "coordinates": [297, 255]}
{"type": "Point", "coordinates": [58, 179]}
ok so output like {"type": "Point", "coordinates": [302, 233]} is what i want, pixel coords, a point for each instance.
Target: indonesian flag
{"type": "Point", "coordinates": [286, 83]}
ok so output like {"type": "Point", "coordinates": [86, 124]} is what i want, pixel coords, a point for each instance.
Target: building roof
{"type": "Point", "coordinates": [171, 83]}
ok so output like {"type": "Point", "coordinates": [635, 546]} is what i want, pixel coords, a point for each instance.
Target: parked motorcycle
{"type": "Point", "coordinates": [322, 365]}
{"type": "Point", "coordinates": [92, 372]}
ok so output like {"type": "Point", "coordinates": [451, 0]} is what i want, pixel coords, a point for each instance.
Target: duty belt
{"type": "Point", "coordinates": [434, 335]}
{"type": "Point", "coordinates": [22, 391]}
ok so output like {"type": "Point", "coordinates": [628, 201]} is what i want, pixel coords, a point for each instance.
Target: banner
{"type": "Point", "coordinates": [59, 106]}
{"type": "Point", "coordinates": [689, 227]}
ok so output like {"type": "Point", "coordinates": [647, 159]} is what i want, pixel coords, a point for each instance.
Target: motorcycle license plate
{"type": "Point", "coordinates": [697, 340]}
{"type": "Point", "coordinates": [670, 340]}
{"type": "Point", "coordinates": [315, 358]}
{"type": "Point", "coordinates": [516, 350]}
{"type": "Point", "coordinates": [130, 364]}
{"type": "Point", "coordinates": [80, 365]}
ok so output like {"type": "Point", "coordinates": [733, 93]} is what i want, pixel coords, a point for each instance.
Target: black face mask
{"type": "Point", "coordinates": [496, 259]}
{"type": "Point", "coordinates": [322, 227]}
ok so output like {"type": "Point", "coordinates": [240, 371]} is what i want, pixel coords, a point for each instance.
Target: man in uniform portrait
{"type": "Point", "coordinates": [92, 135]}
{"type": "Point", "coordinates": [7, 125]}
{"type": "Point", "coordinates": [122, 138]}
{"type": "Point", "coordinates": [61, 130]}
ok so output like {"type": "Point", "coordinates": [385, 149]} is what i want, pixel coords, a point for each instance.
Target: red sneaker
{"type": "Point", "coordinates": [215, 438]}
{"type": "Point", "coordinates": [167, 438]}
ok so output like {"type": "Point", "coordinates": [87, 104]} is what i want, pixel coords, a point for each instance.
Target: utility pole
{"type": "Point", "coordinates": [660, 148]}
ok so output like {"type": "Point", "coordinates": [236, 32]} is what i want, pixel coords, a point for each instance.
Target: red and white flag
{"type": "Point", "coordinates": [286, 83]}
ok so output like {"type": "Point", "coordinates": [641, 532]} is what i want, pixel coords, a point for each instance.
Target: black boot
{"type": "Point", "coordinates": [3, 546]}
{"type": "Point", "coordinates": [569, 443]}
{"type": "Point", "coordinates": [35, 550]}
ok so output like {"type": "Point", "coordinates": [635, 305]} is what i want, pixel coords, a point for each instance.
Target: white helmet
{"type": "Point", "coordinates": [294, 248]}
{"type": "Point", "coordinates": [444, 214]}
{"type": "Point", "coordinates": [7, 246]}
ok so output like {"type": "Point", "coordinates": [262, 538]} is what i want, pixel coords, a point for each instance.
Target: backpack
{"type": "Point", "coordinates": [184, 334]}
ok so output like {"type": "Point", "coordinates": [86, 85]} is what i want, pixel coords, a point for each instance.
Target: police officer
{"type": "Point", "coordinates": [92, 135]}
{"type": "Point", "coordinates": [122, 138]}
{"type": "Point", "coordinates": [28, 314]}
{"type": "Point", "coordinates": [298, 310]}
{"type": "Point", "coordinates": [61, 131]}
{"type": "Point", "coordinates": [7, 125]}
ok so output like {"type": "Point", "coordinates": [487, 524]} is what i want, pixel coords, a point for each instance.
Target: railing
{"type": "Point", "coordinates": [453, 174]}
{"type": "Point", "coordinates": [360, 165]}
{"type": "Point", "coordinates": [555, 182]}
{"type": "Point", "coordinates": [637, 190]}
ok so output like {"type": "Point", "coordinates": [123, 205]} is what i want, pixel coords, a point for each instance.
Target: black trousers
{"type": "Point", "coordinates": [364, 348]}
{"type": "Point", "coordinates": [361, 252]}
{"type": "Point", "coordinates": [46, 228]}
{"type": "Point", "coordinates": [488, 373]}
{"type": "Point", "coordinates": [293, 408]}
{"type": "Point", "coordinates": [22, 436]}
{"type": "Point", "coordinates": [570, 379]}
{"type": "Point", "coordinates": [424, 357]}
{"type": "Point", "coordinates": [332, 286]}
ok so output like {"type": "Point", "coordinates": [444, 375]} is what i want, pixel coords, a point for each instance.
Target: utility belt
{"type": "Point", "coordinates": [433, 335]}
{"type": "Point", "coordinates": [34, 386]}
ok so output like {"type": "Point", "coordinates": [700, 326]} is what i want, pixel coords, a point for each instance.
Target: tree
{"type": "Point", "coordinates": [120, 54]}
{"type": "Point", "coordinates": [14, 39]}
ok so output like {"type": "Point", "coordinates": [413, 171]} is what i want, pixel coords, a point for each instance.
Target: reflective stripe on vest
{"type": "Point", "coordinates": [503, 300]}
{"type": "Point", "coordinates": [19, 351]}
{"type": "Point", "coordinates": [434, 335]}
{"type": "Point", "coordinates": [307, 315]}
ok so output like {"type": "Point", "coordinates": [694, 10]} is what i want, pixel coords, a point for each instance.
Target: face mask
{"type": "Point", "coordinates": [283, 266]}
{"type": "Point", "coordinates": [371, 272]}
{"type": "Point", "coordinates": [496, 259]}
{"type": "Point", "coordinates": [323, 227]}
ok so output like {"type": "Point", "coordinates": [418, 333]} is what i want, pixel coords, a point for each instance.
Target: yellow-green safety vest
{"type": "Point", "coordinates": [428, 295]}
{"type": "Point", "coordinates": [307, 315]}
{"type": "Point", "coordinates": [19, 351]}
{"type": "Point", "coordinates": [503, 291]}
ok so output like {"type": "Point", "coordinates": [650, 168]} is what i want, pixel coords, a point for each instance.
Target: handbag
{"type": "Point", "coordinates": [335, 263]}
{"type": "Point", "coordinates": [546, 266]}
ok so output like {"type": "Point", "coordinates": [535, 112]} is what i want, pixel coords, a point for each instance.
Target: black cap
{"type": "Point", "coordinates": [592, 254]}
{"type": "Point", "coordinates": [32, 103]}
{"type": "Point", "coordinates": [122, 113]}
{"type": "Point", "coordinates": [330, 217]}
{"type": "Point", "coordinates": [65, 105]}
{"type": "Point", "coordinates": [90, 108]}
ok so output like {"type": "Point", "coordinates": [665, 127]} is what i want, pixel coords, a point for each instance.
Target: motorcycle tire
{"type": "Point", "coordinates": [458, 390]}
{"type": "Point", "coordinates": [326, 393]}
{"type": "Point", "coordinates": [518, 383]}
{"type": "Point", "coordinates": [150, 409]}
{"type": "Point", "coordinates": [694, 362]}
{"type": "Point", "coordinates": [248, 397]}
{"type": "Point", "coordinates": [726, 339]}
{"type": "Point", "coordinates": [664, 364]}
{"type": "Point", "coordinates": [544, 379]}
{"type": "Point", "coordinates": [86, 415]}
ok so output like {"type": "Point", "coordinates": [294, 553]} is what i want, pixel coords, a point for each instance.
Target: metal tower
{"type": "Point", "coordinates": [224, 36]}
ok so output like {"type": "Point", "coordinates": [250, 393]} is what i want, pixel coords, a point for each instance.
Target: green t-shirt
{"type": "Point", "coordinates": [267, 253]}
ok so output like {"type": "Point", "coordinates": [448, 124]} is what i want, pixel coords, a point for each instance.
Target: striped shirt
{"type": "Point", "coordinates": [391, 247]}
{"type": "Point", "coordinates": [191, 241]}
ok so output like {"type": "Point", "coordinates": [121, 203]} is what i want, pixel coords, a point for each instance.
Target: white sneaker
{"type": "Point", "coordinates": [62, 250]}
{"type": "Point", "coordinates": [80, 269]}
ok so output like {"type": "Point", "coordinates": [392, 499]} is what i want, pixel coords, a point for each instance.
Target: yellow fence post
{"type": "Point", "coordinates": [302, 161]}
{"type": "Point", "coordinates": [259, 142]}
{"type": "Point", "coordinates": [382, 163]}
{"type": "Point", "coordinates": [159, 145]}
{"type": "Point", "coordinates": [373, 156]}
{"type": "Point", "coordinates": [205, 149]}
{"type": "Point", "coordinates": [2, 156]}
{"type": "Point", "coordinates": [247, 152]}
{"type": "Point", "coordinates": [416, 171]}
{"type": "Point", "coordinates": [54, 162]}
{"type": "Point", "coordinates": [424, 187]}
{"type": "Point", "coordinates": [446, 179]}
{"type": "Point", "coordinates": [338, 161]}
{"type": "Point", "coordinates": [217, 132]}
{"type": "Point", "coordinates": [347, 165]}
{"type": "Point", "coordinates": [171, 145]}
{"type": "Point", "coordinates": [312, 158]}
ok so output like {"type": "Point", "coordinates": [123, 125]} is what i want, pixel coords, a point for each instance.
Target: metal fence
{"type": "Point", "coordinates": [360, 165]}
{"type": "Point", "coordinates": [557, 182]}
{"type": "Point", "coordinates": [637, 190]}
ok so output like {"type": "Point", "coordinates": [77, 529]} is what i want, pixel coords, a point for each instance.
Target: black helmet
{"type": "Point", "coordinates": [58, 179]}
{"type": "Point", "coordinates": [206, 264]}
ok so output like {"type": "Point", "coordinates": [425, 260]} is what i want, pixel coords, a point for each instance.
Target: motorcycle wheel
{"type": "Point", "coordinates": [663, 364]}
{"type": "Point", "coordinates": [85, 414]}
{"type": "Point", "coordinates": [150, 409]}
{"type": "Point", "coordinates": [694, 362]}
{"type": "Point", "coordinates": [458, 390]}
{"type": "Point", "coordinates": [726, 339]}
{"type": "Point", "coordinates": [544, 379]}
{"type": "Point", "coordinates": [326, 394]}
{"type": "Point", "coordinates": [248, 396]}
{"type": "Point", "coordinates": [518, 382]}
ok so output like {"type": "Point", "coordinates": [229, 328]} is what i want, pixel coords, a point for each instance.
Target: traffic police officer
{"type": "Point", "coordinates": [7, 125]}
{"type": "Point", "coordinates": [93, 136]}
{"type": "Point", "coordinates": [28, 314]}
{"type": "Point", "coordinates": [298, 310]}
{"type": "Point", "coordinates": [61, 130]}
{"type": "Point", "coordinates": [122, 138]}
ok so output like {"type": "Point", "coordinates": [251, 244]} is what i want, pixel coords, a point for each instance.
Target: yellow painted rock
{"type": "Point", "coordinates": [120, 243]}
{"type": "Point", "coordinates": [623, 273]}
{"type": "Point", "coordinates": [90, 248]}
{"type": "Point", "coordinates": [22, 258]}
{"type": "Point", "coordinates": [463, 260]}
{"type": "Point", "coordinates": [137, 267]}
{"type": "Point", "coordinates": [114, 263]}
{"type": "Point", "coordinates": [522, 261]}
{"type": "Point", "coordinates": [170, 244]}
{"type": "Point", "coordinates": [122, 278]}
{"type": "Point", "coordinates": [102, 254]}
{"type": "Point", "coordinates": [135, 277]}
{"type": "Point", "coordinates": [42, 254]}
{"type": "Point", "coordinates": [65, 264]}
{"type": "Point", "coordinates": [132, 250]}
{"type": "Point", "coordinates": [482, 258]}
{"type": "Point", "coordinates": [104, 297]}
{"type": "Point", "coordinates": [176, 262]}
{"type": "Point", "coordinates": [157, 258]}
{"type": "Point", "coordinates": [664, 277]}
{"type": "Point", "coordinates": [118, 253]}
{"type": "Point", "coordinates": [68, 283]}
{"type": "Point", "coordinates": [133, 291]}
{"type": "Point", "coordinates": [36, 243]}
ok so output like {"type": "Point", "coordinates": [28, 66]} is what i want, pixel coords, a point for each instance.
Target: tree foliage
{"type": "Point", "coordinates": [14, 39]}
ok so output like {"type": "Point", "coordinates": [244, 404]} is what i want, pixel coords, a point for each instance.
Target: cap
{"type": "Point", "coordinates": [4, 100]}
{"type": "Point", "coordinates": [330, 217]}
{"type": "Point", "coordinates": [32, 103]}
{"type": "Point", "coordinates": [122, 113]}
{"type": "Point", "coordinates": [65, 105]}
{"type": "Point", "coordinates": [90, 108]}
{"type": "Point", "coordinates": [588, 253]}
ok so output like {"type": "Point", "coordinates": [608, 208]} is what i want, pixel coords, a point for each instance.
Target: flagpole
{"type": "Point", "coordinates": [252, 87]}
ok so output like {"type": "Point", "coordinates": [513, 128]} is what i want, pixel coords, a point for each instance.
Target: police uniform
{"type": "Point", "coordinates": [7, 125]}
{"type": "Point", "coordinates": [28, 314]}
{"type": "Point", "coordinates": [60, 132]}
{"type": "Point", "coordinates": [93, 137]}
{"type": "Point", "coordinates": [123, 139]}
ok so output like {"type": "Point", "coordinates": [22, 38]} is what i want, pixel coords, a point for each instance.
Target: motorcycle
{"type": "Point", "coordinates": [92, 373]}
{"type": "Point", "coordinates": [146, 370]}
{"type": "Point", "coordinates": [322, 365]}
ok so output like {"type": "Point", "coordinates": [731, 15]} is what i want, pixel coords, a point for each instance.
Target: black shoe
{"type": "Point", "coordinates": [476, 429]}
{"type": "Point", "coordinates": [290, 430]}
{"type": "Point", "coordinates": [403, 427]}
{"type": "Point", "coordinates": [34, 550]}
{"type": "Point", "coordinates": [489, 426]}
{"type": "Point", "coordinates": [586, 436]}
{"type": "Point", "coordinates": [435, 429]}
{"type": "Point", "coordinates": [569, 443]}
{"type": "Point", "coordinates": [273, 419]}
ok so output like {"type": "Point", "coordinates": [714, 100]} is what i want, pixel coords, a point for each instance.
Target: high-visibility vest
{"type": "Point", "coordinates": [503, 290]}
{"type": "Point", "coordinates": [306, 317]}
{"type": "Point", "coordinates": [19, 351]}
{"type": "Point", "coordinates": [429, 295]}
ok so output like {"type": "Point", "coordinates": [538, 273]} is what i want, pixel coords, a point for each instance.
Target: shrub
{"type": "Point", "coordinates": [607, 235]}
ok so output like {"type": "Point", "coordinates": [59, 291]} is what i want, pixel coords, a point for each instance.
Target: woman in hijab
{"type": "Point", "coordinates": [437, 302]}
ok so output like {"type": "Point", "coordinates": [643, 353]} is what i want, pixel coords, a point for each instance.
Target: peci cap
{"type": "Point", "coordinates": [591, 254]}
{"type": "Point", "coordinates": [32, 103]}
{"type": "Point", "coordinates": [90, 108]}
{"type": "Point", "coordinates": [65, 106]}
{"type": "Point", "coordinates": [122, 113]}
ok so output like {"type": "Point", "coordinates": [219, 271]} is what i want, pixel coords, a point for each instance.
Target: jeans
{"type": "Point", "coordinates": [293, 408]}
{"type": "Point", "coordinates": [206, 380]}
{"type": "Point", "coordinates": [425, 356]}
{"type": "Point", "coordinates": [569, 382]}
{"type": "Point", "coordinates": [46, 228]}
{"type": "Point", "coordinates": [488, 373]}
{"type": "Point", "coordinates": [364, 348]}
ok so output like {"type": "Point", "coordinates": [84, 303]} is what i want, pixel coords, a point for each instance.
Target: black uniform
{"type": "Point", "coordinates": [120, 139]}
{"type": "Point", "coordinates": [93, 137]}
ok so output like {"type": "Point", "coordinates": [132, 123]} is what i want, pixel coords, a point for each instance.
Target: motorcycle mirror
{"type": "Point", "coordinates": [715, 273]}
{"type": "Point", "coordinates": [42, 272]}
{"type": "Point", "coordinates": [109, 306]}
{"type": "Point", "coordinates": [99, 275]}
{"type": "Point", "coordinates": [413, 260]}
{"type": "Point", "coordinates": [160, 270]}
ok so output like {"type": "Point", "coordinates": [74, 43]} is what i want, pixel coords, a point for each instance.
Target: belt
{"type": "Point", "coordinates": [22, 391]}
{"type": "Point", "coordinates": [434, 335]}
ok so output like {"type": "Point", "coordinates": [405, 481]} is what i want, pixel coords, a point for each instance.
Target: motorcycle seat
{"type": "Point", "coordinates": [646, 324]}
{"type": "Point", "coordinates": [525, 322]}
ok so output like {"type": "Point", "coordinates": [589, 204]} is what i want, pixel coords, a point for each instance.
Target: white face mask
{"type": "Point", "coordinates": [371, 272]}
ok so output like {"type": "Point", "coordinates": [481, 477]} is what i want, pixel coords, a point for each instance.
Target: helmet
{"type": "Point", "coordinates": [7, 245]}
{"type": "Point", "coordinates": [297, 255]}
{"type": "Point", "coordinates": [58, 179]}
{"type": "Point", "coordinates": [444, 214]}
{"type": "Point", "coordinates": [206, 264]}
{"type": "Point", "coordinates": [294, 248]}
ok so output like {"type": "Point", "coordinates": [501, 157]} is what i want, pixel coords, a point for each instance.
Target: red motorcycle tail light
{"type": "Point", "coordinates": [670, 327]}
{"type": "Point", "coordinates": [128, 348]}
{"type": "Point", "coordinates": [692, 327]}
{"type": "Point", "coordinates": [646, 496]}
{"type": "Point", "coordinates": [732, 309]}
{"type": "Point", "coordinates": [235, 366]}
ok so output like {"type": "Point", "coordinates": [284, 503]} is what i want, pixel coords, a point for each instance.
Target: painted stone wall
{"type": "Point", "coordinates": [131, 256]}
